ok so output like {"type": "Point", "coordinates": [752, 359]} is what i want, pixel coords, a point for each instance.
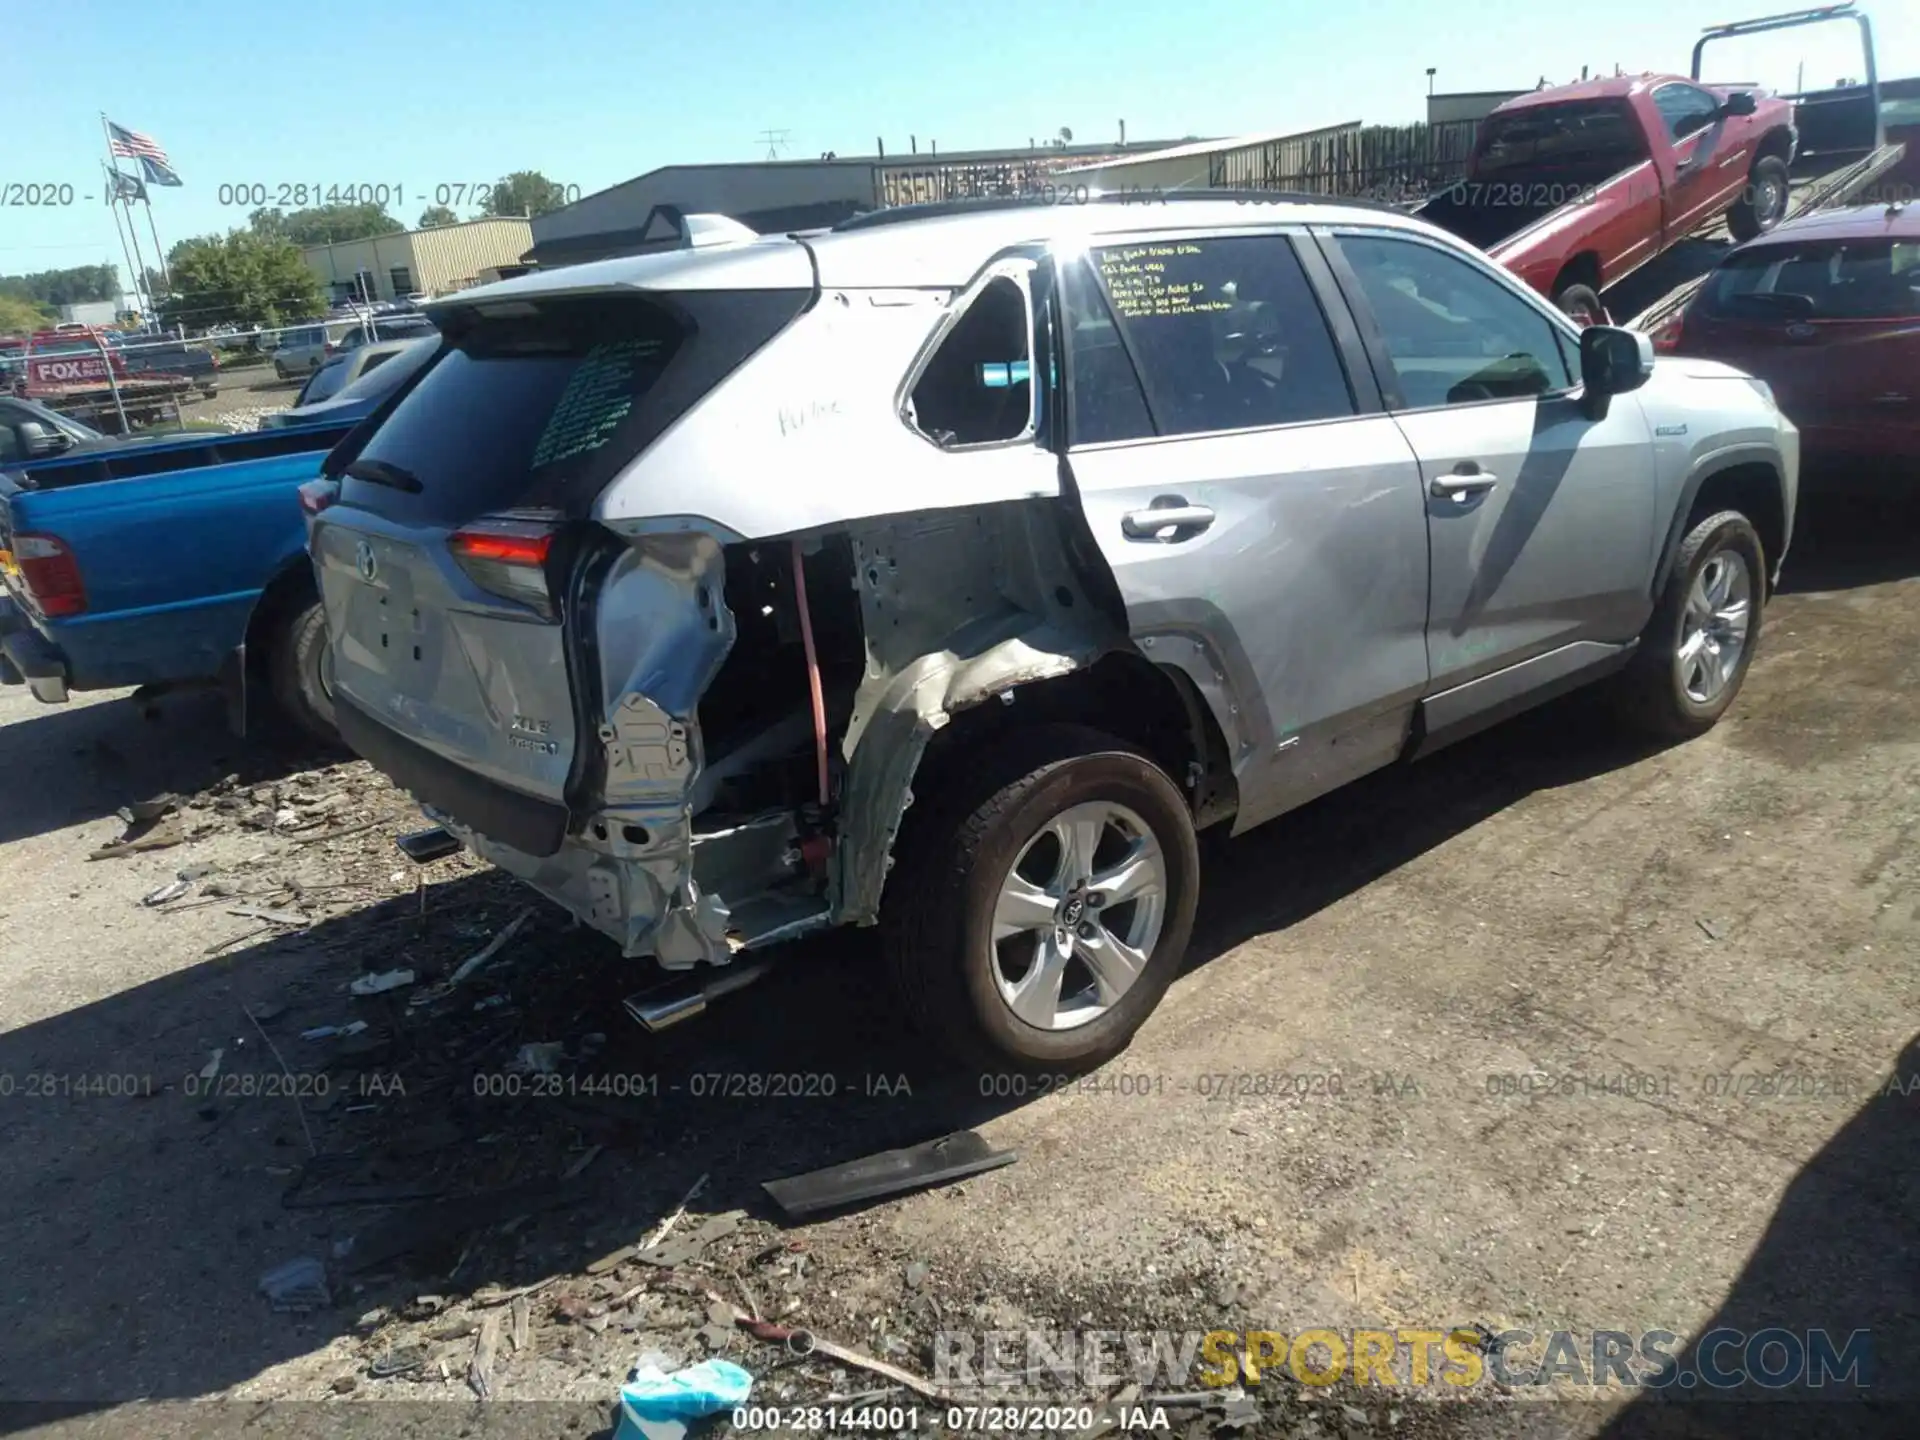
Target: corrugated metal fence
{"type": "Point", "coordinates": [1395, 163]}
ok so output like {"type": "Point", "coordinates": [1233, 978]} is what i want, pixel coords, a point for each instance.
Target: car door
{"type": "Point", "coordinates": [1704, 180]}
{"type": "Point", "coordinates": [1260, 513]}
{"type": "Point", "coordinates": [1540, 519]}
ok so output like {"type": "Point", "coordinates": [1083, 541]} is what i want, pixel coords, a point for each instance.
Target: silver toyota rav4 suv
{"type": "Point", "coordinates": [950, 569]}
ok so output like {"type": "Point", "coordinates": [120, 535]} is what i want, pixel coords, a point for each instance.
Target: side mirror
{"type": "Point", "coordinates": [1612, 362]}
{"type": "Point", "coordinates": [39, 442]}
{"type": "Point", "coordinates": [1740, 102]}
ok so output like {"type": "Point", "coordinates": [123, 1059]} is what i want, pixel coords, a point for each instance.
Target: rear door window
{"type": "Point", "coordinates": [1224, 333]}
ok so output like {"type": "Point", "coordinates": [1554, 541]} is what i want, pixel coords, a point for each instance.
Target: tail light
{"type": "Point", "coordinates": [317, 495]}
{"type": "Point", "coordinates": [1666, 335]}
{"type": "Point", "coordinates": [508, 558]}
{"type": "Point", "coordinates": [50, 574]}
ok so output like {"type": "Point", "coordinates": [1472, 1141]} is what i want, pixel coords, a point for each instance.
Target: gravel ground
{"type": "Point", "coordinates": [1391, 1091]}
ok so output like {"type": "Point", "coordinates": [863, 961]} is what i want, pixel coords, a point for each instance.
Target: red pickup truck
{"type": "Point", "coordinates": [1574, 187]}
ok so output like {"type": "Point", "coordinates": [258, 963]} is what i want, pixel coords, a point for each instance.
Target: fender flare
{"type": "Point", "coordinates": [1714, 463]}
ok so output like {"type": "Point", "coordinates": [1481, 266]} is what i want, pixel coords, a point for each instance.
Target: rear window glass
{"type": "Point", "coordinates": [1818, 280]}
{"type": "Point", "coordinates": [522, 402]}
{"type": "Point", "coordinates": [1588, 139]}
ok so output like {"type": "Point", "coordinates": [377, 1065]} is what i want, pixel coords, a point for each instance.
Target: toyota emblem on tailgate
{"type": "Point", "coordinates": [363, 561]}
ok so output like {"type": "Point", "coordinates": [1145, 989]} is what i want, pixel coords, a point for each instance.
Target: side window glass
{"type": "Point", "coordinates": [1107, 402]}
{"type": "Point", "coordinates": [976, 389]}
{"type": "Point", "coordinates": [10, 446]}
{"type": "Point", "coordinates": [1454, 335]}
{"type": "Point", "coordinates": [1226, 333]}
{"type": "Point", "coordinates": [1685, 109]}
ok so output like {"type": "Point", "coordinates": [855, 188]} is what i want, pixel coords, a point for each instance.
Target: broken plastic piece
{"type": "Point", "coordinates": [540, 1059]}
{"type": "Point", "coordinates": [330, 1032]}
{"type": "Point", "coordinates": [297, 1286]}
{"type": "Point", "coordinates": [172, 890]}
{"type": "Point", "coordinates": [379, 984]}
{"type": "Point", "coordinates": [952, 1157]}
{"type": "Point", "coordinates": [699, 1390]}
{"type": "Point", "coordinates": [422, 846]}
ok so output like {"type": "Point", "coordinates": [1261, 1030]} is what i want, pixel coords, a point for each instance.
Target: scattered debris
{"type": "Point", "coordinates": [805, 1342]}
{"type": "Point", "coordinates": [379, 984]}
{"type": "Point", "coordinates": [336, 834]}
{"type": "Point", "coordinates": [520, 1323]}
{"type": "Point", "coordinates": [293, 1090]}
{"type": "Point", "coordinates": [480, 1370]}
{"type": "Point", "coordinates": [277, 917]}
{"type": "Point", "coordinates": [233, 940]}
{"type": "Point", "coordinates": [140, 836]}
{"type": "Point", "coordinates": [540, 1059]}
{"type": "Point", "coordinates": [578, 1167]}
{"type": "Point", "coordinates": [212, 1067]}
{"type": "Point", "coordinates": [143, 812]}
{"type": "Point", "coordinates": [916, 1275]}
{"type": "Point", "coordinates": [329, 1032]}
{"type": "Point", "coordinates": [345, 1384]}
{"type": "Point", "coordinates": [297, 1287]}
{"type": "Point", "coordinates": [397, 1362]}
{"type": "Point", "coordinates": [1713, 929]}
{"type": "Point", "coordinates": [652, 1399]}
{"type": "Point", "coordinates": [952, 1157]}
{"type": "Point", "coordinates": [687, 1247]}
{"type": "Point", "coordinates": [172, 890]}
{"type": "Point", "coordinates": [474, 963]}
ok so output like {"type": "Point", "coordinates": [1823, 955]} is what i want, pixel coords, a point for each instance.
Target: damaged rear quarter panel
{"type": "Point", "coordinates": [957, 608]}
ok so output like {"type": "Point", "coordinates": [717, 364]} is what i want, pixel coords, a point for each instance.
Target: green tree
{"type": "Point", "coordinates": [436, 215]}
{"type": "Point", "coordinates": [241, 277]}
{"type": "Point", "coordinates": [22, 317]}
{"type": "Point", "coordinates": [524, 192]}
{"type": "Point", "coordinates": [269, 223]}
{"type": "Point", "coordinates": [325, 224]}
{"type": "Point", "coordinates": [73, 286]}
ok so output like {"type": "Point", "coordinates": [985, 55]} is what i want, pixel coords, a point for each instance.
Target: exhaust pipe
{"type": "Point", "coordinates": [669, 1004]}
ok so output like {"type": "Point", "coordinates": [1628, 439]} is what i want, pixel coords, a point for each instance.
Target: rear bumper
{"type": "Point", "coordinates": [526, 823]}
{"type": "Point", "coordinates": [30, 658]}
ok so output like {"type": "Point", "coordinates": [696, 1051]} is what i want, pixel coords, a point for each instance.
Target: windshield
{"type": "Point", "coordinates": [1592, 139]}
{"type": "Point", "coordinates": [1818, 280]}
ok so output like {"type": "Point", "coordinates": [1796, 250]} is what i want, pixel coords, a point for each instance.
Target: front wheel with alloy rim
{"type": "Point", "coordinates": [1694, 653]}
{"type": "Point", "coordinates": [1043, 905]}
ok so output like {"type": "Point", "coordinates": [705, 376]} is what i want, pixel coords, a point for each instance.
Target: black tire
{"type": "Point", "coordinates": [298, 671]}
{"type": "Point", "coordinates": [1581, 303]}
{"type": "Point", "coordinates": [937, 921]}
{"type": "Point", "coordinates": [1651, 692]}
{"type": "Point", "coordinates": [1763, 204]}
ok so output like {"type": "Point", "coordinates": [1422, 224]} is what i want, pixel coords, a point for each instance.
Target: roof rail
{"type": "Point", "coordinates": [1076, 196]}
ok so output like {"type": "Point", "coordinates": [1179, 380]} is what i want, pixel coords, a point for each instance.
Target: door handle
{"type": "Point", "coordinates": [1462, 486]}
{"type": "Point", "coordinates": [1146, 524]}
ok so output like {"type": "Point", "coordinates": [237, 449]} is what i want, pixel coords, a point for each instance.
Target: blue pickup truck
{"type": "Point", "coordinates": [166, 563]}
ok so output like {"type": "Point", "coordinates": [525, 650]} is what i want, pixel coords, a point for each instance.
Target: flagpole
{"type": "Point", "coordinates": [113, 204]}
{"type": "Point", "coordinates": [140, 273]}
{"type": "Point", "coordinates": [166, 276]}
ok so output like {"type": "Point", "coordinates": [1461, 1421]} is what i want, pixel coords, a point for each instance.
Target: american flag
{"type": "Point", "coordinates": [132, 145]}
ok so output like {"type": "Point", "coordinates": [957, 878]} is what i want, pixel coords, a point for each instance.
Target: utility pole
{"type": "Point", "coordinates": [773, 140]}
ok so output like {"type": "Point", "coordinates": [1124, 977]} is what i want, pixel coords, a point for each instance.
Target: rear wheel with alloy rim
{"type": "Point", "coordinates": [1694, 653]}
{"type": "Point", "coordinates": [1044, 903]}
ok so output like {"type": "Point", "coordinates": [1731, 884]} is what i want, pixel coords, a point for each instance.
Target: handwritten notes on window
{"type": "Point", "coordinates": [598, 397]}
{"type": "Point", "coordinates": [1140, 285]}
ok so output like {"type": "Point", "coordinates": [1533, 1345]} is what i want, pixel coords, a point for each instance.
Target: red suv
{"type": "Point", "coordinates": [1826, 310]}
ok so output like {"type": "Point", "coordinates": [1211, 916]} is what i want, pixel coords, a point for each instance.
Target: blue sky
{"type": "Point", "coordinates": [593, 92]}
